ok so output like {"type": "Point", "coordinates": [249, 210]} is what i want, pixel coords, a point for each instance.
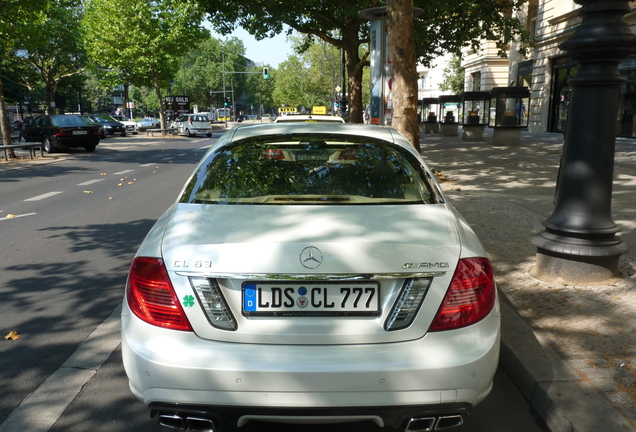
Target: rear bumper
{"type": "Point", "coordinates": [172, 367]}
{"type": "Point", "coordinates": [67, 143]}
{"type": "Point", "coordinates": [200, 131]}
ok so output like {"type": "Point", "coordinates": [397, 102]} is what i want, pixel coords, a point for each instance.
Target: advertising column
{"type": "Point", "coordinates": [380, 103]}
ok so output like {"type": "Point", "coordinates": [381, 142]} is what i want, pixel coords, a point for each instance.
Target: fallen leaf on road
{"type": "Point", "coordinates": [88, 191]}
{"type": "Point", "coordinates": [10, 216]}
{"type": "Point", "coordinates": [131, 182]}
{"type": "Point", "coordinates": [154, 172]}
{"type": "Point", "coordinates": [102, 174]}
{"type": "Point", "coordinates": [13, 335]}
{"type": "Point", "coordinates": [120, 184]}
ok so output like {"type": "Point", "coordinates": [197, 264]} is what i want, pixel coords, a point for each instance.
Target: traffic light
{"type": "Point", "coordinates": [265, 72]}
{"type": "Point", "coordinates": [226, 101]}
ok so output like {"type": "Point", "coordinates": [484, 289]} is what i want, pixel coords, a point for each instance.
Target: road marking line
{"type": "Point", "coordinates": [18, 216]}
{"type": "Point", "coordinates": [145, 165]}
{"type": "Point", "coordinates": [90, 182]}
{"type": "Point", "coordinates": [43, 196]}
{"type": "Point", "coordinates": [42, 408]}
{"type": "Point", "coordinates": [123, 172]}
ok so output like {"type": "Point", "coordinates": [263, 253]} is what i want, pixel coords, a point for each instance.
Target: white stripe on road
{"type": "Point", "coordinates": [145, 165]}
{"type": "Point", "coordinates": [43, 196]}
{"type": "Point", "coordinates": [42, 408]}
{"type": "Point", "coordinates": [90, 182]}
{"type": "Point", "coordinates": [123, 172]}
{"type": "Point", "coordinates": [18, 216]}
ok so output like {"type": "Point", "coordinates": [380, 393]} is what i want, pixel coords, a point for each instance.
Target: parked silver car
{"type": "Point", "coordinates": [192, 124]}
{"type": "Point", "coordinates": [147, 123]}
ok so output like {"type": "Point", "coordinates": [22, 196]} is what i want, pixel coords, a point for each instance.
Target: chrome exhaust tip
{"type": "Point", "coordinates": [420, 424]}
{"type": "Point", "coordinates": [197, 424]}
{"type": "Point", "coordinates": [173, 421]}
{"type": "Point", "coordinates": [449, 421]}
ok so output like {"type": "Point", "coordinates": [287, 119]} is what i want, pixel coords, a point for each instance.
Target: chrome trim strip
{"type": "Point", "coordinates": [312, 277]}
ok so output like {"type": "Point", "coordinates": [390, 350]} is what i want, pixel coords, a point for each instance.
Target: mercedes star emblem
{"type": "Point", "coordinates": [311, 257]}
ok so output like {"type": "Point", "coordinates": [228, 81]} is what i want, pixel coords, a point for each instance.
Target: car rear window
{"type": "Point", "coordinates": [70, 120]}
{"type": "Point", "coordinates": [104, 118]}
{"type": "Point", "coordinates": [291, 169]}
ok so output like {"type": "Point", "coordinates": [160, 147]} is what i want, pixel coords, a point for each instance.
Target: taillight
{"type": "Point", "coordinates": [61, 133]}
{"type": "Point", "coordinates": [151, 296]}
{"type": "Point", "coordinates": [470, 297]}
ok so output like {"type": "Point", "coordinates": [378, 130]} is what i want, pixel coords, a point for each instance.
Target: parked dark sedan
{"type": "Point", "coordinates": [110, 126]}
{"type": "Point", "coordinates": [62, 132]}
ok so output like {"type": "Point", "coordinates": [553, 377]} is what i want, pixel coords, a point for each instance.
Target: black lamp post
{"type": "Point", "coordinates": [343, 100]}
{"type": "Point", "coordinates": [579, 243]}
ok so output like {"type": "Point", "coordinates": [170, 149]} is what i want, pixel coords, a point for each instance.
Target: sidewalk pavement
{"type": "Point", "coordinates": [570, 349]}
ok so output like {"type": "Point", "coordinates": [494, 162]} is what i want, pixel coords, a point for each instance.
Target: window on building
{"type": "Point", "coordinates": [476, 79]}
{"type": "Point", "coordinates": [422, 82]}
{"type": "Point", "coordinates": [533, 14]}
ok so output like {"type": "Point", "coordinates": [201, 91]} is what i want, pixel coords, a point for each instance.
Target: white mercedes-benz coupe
{"type": "Point", "coordinates": [311, 273]}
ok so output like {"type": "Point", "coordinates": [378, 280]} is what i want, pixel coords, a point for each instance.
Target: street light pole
{"type": "Point", "coordinates": [579, 243]}
{"type": "Point", "coordinates": [343, 101]}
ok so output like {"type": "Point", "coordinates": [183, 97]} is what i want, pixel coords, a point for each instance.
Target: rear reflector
{"type": "Point", "coordinates": [151, 296]}
{"type": "Point", "coordinates": [470, 297]}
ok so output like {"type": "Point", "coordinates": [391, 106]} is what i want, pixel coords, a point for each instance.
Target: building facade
{"type": "Point", "coordinates": [430, 78]}
{"type": "Point", "coordinates": [546, 69]}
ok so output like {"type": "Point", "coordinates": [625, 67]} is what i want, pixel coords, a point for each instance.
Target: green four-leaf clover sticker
{"type": "Point", "coordinates": [188, 301]}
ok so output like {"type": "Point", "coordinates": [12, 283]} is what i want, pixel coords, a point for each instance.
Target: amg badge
{"type": "Point", "coordinates": [429, 265]}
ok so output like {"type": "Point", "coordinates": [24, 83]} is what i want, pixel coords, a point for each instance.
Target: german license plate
{"type": "Point", "coordinates": [311, 299]}
{"type": "Point", "coordinates": [80, 132]}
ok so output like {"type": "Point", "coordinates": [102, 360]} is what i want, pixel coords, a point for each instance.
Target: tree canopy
{"type": "Point", "coordinates": [19, 20]}
{"type": "Point", "coordinates": [141, 42]}
{"type": "Point", "coordinates": [442, 26]}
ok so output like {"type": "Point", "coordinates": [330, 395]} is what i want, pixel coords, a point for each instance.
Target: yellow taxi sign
{"type": "Point", "coordinates": [287, 110]}
{"type": "Point", "coordinates": [319, 110]}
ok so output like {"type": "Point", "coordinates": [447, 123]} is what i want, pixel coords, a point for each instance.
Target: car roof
{"type": "Point", "coordinates": [286, 128]}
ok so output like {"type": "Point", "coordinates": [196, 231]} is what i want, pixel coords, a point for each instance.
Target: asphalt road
{"type": "Point", "coordinates": [69, 230]}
